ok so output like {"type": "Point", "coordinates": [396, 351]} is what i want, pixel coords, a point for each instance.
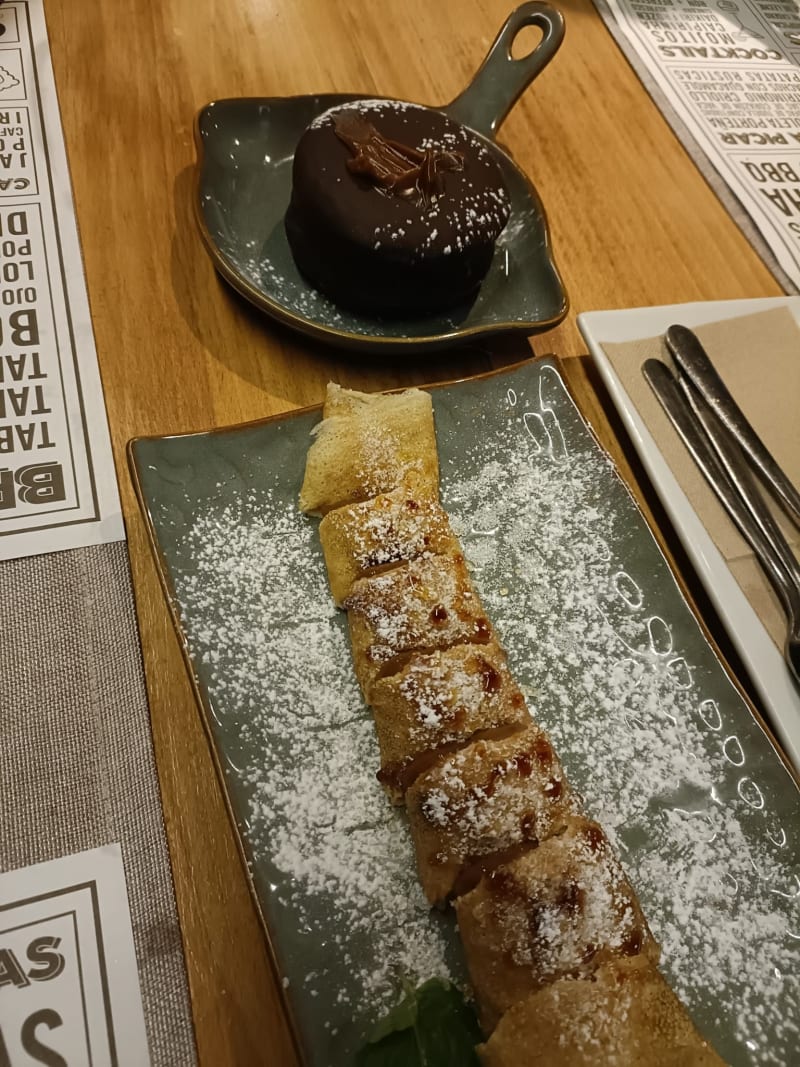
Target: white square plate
{"type": "Point", "coordinates": [764, 661]}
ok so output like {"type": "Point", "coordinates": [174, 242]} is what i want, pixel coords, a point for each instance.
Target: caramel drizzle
{"type": "Point", "coordinates": [395, 168]}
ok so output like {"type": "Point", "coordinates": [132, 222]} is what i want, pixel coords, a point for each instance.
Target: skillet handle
{"type": "Point", "coordinates": [501, 79]}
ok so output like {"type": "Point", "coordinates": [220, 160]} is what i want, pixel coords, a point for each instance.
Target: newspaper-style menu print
{"type": "Point", "coordinates": [69, 986]}
{"type": "Point", "coordinates": [731, 71]}
{"type": "Point", "coordinates": [57, 483]}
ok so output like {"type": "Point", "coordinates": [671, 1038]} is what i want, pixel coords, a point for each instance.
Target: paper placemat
{"type": "Point", "coordinates": [76, 759]}
{"type": "Point", "coordinates": [758, 357]}
{"type": "Point", "coordinates": [58, 488]}
{"type": "Point", "coordinates": [681, 130]}
{"type": "Point", "coordinates": [70, 983]}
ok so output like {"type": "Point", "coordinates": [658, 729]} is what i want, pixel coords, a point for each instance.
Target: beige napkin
{"type": "Point", "coordinates": [758, 358]}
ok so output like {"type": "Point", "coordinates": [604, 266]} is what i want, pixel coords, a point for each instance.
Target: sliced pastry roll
{"type": "Point", "coordinates": [625, 1015]}
{"type": "Point", "coordinates": [419, 606]}
{"type": "Point", "coordinates": [392, 528]}
{"type": "Point", "coordinates": [556, 911]}
{"type": "Point", "coordinates": [376, 443]}
{"type": "Point", "coordinates": [480, 806]}
{"type": "Point", "coordinates": [342, 401]}
{"type": "Point", "coordinates": [439, 701]}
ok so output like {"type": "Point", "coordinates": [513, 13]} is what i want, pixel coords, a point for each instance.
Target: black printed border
{"type": "Point", "coordinates": [51, 918]}
{"type": "Point", "coordinates": [98, 947]}
{"type": "Point", "coordinates": [95, 514]}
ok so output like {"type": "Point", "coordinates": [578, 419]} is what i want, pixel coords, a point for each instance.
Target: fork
{"type": "Point", "coordinates": [694, 362]}
{"type": "Point", "coordinates": [721, 461]}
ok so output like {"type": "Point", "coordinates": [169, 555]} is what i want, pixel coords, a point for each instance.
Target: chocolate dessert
{"type": "Point", "coordinates": [395, 208]}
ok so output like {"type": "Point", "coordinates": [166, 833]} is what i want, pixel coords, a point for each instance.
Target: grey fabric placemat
{"type": "Point", "coordinates": [731, 202]}
{"type": "Point", "coordinates": [76, 758]}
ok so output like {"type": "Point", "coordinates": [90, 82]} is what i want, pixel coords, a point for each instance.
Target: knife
{"type": "Point", "coordinates": [725, 469]}
{"type": "Point", "coordinates": [693, 361]}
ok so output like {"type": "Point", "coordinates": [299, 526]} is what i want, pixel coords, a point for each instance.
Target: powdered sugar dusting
{"type": "Point", "coordinates": [270, 269]}
{"type": "Point", "coordinates": [678, 778]}
{"type": "Point", "coordinates": [325, 118]}
{"type": "Point", "coordinates": [449, 688]}
{"type": "Point", "coordinates": [664, 753]}
{"type": "Point", "coordinates": [280, 668]}
{"type": "Point", "coordinates": [427, 602]}
{"type": "Point", "coordinates": [557, 911]}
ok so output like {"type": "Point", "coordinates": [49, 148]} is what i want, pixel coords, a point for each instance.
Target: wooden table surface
{"type": "Point", "coordinates": [632, 221]}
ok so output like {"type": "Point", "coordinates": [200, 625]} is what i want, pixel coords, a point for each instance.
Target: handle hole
{"type": "Point", "coordinates": [525, 42]}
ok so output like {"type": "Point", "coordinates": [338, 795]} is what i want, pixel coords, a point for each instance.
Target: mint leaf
{"type": "Point", "coordinates": [403, 1016]}
{"type": "Point", "coordinates": [397, 1049]}
{"type": "Point", "coordinates": [432, 1026]}
{"type": "Point", "coordinates": [447, 1030]}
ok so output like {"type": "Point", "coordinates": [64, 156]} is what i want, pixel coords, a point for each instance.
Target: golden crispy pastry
{"type": "Point", "coordinates": [392, 528]}
{"type": "Point", "coordinates": [556, 911]}
{"type": "Point", "coordinates": [624, 1016]}
{"type": "Point", "coordinates": [370, 443]}
{"type": "Point", "coordinates": [341, 401]}
{"type": "Point", "coordinates": [561, 958]}
{"type": "Point", "coordinates": [419, 606]}
{"type": "Point", "coordinates": [440, 701]}
{"type": "Point", "coordinates": [482, 805]}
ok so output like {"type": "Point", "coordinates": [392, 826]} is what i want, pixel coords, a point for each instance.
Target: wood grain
{"type": "Point", "coordinates": [632, 223]}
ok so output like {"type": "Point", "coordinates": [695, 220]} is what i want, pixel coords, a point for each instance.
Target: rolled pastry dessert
{"type": "Point", "coordinates": [556, 911]}
{"type": "Point", "coordinates": [364, 447]}
{"type": "Point", "coordinates": [363, 539]}
{"type": "Point", "coordinates": [625, 1015]}
{"type": "Point", "coordinates": [429, 603]}
{"type": "Point", "coordinates": [437, 702]}
{"type": "Point", "coordinates": [561, 959]}
{"type": "Point", "coordinates": [484, 804]}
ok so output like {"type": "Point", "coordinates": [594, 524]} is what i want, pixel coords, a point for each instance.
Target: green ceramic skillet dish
{"type": "Point", "coordinates": [245, 150]}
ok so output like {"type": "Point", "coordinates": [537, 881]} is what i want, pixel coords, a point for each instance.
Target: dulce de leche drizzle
{"type": "Point", "coordinates": [395, 168]}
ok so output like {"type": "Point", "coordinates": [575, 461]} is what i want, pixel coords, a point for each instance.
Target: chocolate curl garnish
{"type": "Point", "coordinates": [395, 168]}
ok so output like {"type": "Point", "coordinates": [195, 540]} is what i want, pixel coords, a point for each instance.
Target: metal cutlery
{"type": "Point", "coordinates": [692, 359]}
{"type": "Point", "coordinates": [722, 461]}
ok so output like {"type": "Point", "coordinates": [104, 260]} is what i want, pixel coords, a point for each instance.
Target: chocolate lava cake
{"type": "Point", "coordinates": [395, 208]}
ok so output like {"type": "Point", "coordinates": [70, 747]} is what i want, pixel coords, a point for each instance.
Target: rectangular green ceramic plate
{"type": "Point", "coordinates": [666, 753]}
